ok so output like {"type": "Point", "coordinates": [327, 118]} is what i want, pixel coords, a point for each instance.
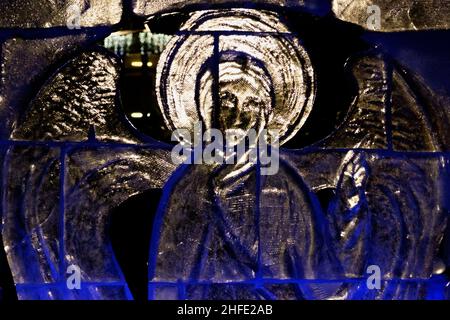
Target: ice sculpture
{"type": "Point", "coordinates": [268, 237]}
{"type": "Point", "coordinates": [53, 213]}
{"type": "Point", "coordinates": [237, 226]}
{"type": "Point", "coordinates": [238, 235]}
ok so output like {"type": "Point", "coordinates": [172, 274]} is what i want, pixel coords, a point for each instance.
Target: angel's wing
{"type": "Point", "coordinates": [385, 169]}
{"type": "Point", "coordinates": [72, 161]}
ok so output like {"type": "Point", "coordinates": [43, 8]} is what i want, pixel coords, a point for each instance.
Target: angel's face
{"type": "Point", "coordinates": [244, 93]}
{"type": "Point", "coordinates": [239, 106]}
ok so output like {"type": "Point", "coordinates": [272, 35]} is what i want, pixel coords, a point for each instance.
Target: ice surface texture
{"type": "Point", "coordinates": [396, 15]}
{"type": "Point", "coordinates": [226, 232]}
{"type": "Point", "coordinates": [150, 7]}
{"type": "Point", "coordinates": [46, 14]}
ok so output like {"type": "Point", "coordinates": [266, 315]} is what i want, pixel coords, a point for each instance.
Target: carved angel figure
{"type": "Point", "coordinates": [226, 231]}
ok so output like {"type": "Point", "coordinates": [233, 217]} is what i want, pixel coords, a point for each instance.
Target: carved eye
{"type": "Point", "coordinates": [228, 101]}
{"type": "Point", "coordinates": [252, 105]}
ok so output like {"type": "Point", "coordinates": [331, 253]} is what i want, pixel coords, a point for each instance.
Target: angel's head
{"type": "Point", "coordinates": [244, 94]}
{"type": "Point", "coordinates": [236, 69]}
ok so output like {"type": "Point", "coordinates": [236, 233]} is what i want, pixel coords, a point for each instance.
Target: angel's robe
{"type": "Point", "coordinates": [242, 237]}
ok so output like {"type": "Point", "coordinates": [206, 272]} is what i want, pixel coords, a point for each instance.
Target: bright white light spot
{"type": "Point", "coordinates": [139, 64]}
{"type": "Point", "coordinates": [136, 64]}
{"type": "Point", "coordinates": [439, 267]}
{"type": "Point", "coordinates": [137, 115]}
{"type": "Point", "coordinates": [353, 201]}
